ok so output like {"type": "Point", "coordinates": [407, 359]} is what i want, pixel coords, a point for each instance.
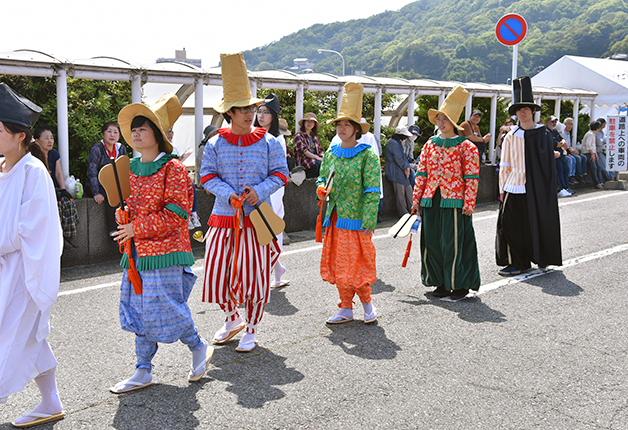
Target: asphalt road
{"type": "Point", "coordinates": [543, 350]}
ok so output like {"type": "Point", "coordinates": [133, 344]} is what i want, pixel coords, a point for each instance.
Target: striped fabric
{"type": "Point", "coordinates": [254, 264]}
{"type": "Point", "coordinates": [512, 168]}
{"type": "Point", "coordinates": [254, 314]}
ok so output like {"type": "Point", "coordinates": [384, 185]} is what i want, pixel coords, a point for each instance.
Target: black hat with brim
{"type": "Point", "coordinates": [522, 95]}
{"type": "Point", "coordinates": [16, 108]}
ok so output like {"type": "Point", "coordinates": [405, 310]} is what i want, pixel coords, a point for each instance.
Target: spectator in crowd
{"type": "Point", "coordinates": [577, 161]}
{"type": "Point", "coordinates": [600, 145]}
{"type": "Point", "coordinates": [562, 165]}
{"type": "Point", "coordinates": [307, 149]}
{"type": "Point", "coordinates": [99, 156]}
{"type": "Point", "coordinates": [67, 208]}
{"type": "Point", "coordinates": [472, 132]}
{"type": "Point", "coordinates": [445, 191]}
{"type": "Point", "coordinates": [589, 150]}
{"type": "Point", "coordinates": [284, 131]}
{"type": "Point", "coordinates": [193, 219]}
{"type": "Point", "coordinates": [268, 118]}
{"type": "Point", "coordinates": [528, 223]}
{"type": "Point", "coordinates": [503, 131]}
{"type": "Point", "coordinates": [398, 170]}
{"type": "Point", "coordinates": [416, 133]}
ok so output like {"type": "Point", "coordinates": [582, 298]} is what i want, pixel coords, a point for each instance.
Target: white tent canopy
{"type": "Point", "coordinates": [607, 77]}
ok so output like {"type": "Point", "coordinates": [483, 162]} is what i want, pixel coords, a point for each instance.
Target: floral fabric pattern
{"type": "Point", "coordinates": [453, 165]}
{"type": "Point", "coordinates": [160, 201]}
{"type": "Point", "coordinates": [355, 190]}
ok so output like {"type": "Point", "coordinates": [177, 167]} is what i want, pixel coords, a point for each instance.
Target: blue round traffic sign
{"type": "Point", "coordinates": [511, 29]}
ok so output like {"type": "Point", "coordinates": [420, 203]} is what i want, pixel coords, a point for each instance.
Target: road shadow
{"type": "Point", "coordinates": [367, 341]}
{"type": "Point", "coordinates": [159, 406]}
{"type": "Point", "coordinates": [380, 287]}
{"type": "Point", "coordinates": [471, 309]}
{"type": "Point", "coordinates": [279, 304]}
{"type": "Point", "coordinates": [556, 284]}
{"type": "Point", "coordinates": [255, 379]}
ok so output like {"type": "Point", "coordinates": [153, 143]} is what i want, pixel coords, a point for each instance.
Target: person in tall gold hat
{"type": "Point", "coordinates": [158, 208]}
{"type": "Point", "coordinates": [242, 166]}
{"type": "Point", "coordinates": [348, 258]}
{"type": "Point", "coordinates": [445, 191]}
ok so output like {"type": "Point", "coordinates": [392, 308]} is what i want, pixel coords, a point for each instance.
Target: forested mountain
{"type": "Point", "coordinates": [455, 39]}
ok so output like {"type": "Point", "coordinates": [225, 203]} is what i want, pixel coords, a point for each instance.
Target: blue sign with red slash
{"type": "Point", "coordinates": [511, 29]}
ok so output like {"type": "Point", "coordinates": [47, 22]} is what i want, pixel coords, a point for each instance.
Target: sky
{"type": "Point", "coordinates": [131, 31]}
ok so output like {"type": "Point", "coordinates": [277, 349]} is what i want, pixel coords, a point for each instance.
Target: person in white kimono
{"type": "Point", "coordinates": [31, 243]}
{"type": "Point", "coordinates": [268, 117]}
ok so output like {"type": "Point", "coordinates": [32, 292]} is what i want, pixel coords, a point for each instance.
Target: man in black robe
{"type": "Point", "coordinates": [528, 225]}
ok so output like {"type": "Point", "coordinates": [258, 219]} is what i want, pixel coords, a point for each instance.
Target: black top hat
{"type": "Point", "coordinates": [522, 95]}
{"type": "Point", "coordinates": [17, 109]}
{"type": "Point", "coordinates": [272, 102]}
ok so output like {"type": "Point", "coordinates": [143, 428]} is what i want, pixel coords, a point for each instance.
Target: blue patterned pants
{"type": "Point", "coordinates": [160, 313]}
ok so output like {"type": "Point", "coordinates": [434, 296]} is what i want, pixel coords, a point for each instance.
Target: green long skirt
{"type": "Point", "coordinates": [449, 254]}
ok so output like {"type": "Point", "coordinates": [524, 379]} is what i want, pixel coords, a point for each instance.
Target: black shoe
{"type": "Point", "coordinates": [459, 294]}
{"type": "Point", "coordinates": [572, 180]}
{"type": "Point", "coordinates": [441, 292]}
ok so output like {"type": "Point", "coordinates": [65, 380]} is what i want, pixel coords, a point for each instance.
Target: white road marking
{"type": "Point", "coordinates": [569, 263]}
{"type": "Point", "coordinates": [561, 203]}
{"type": "Point", "coordinates": [483, 289]}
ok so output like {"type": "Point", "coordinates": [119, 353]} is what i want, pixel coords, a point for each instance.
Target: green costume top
{"type": "Point", "coordinates": [355, 190]}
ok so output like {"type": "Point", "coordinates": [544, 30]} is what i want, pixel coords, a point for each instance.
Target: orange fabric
{"type": "Point", "coordinates": [238, 213]}
{"type": "Point", "coordinates": [134, 275]}
{"type": "Point", "coordinates": [407, 254]}
{"type": "Point", "coordinates": [347, 293]}
{"type": "Point", "coordinates": [348, 258]}
{"type": "Point", "coordinates": [320, 192]}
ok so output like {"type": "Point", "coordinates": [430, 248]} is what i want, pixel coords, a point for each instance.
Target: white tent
{"type": "Point", "coordinates": [607, 77]}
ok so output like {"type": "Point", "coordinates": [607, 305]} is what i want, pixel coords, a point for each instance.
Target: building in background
{"type": "Point", "coordinates": [181, 55]}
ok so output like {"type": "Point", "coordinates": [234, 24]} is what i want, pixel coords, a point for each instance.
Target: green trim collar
{"type": "Point", "coordinates": [448, 143]}
{"type": "Point", "coordinates": [146, 169]}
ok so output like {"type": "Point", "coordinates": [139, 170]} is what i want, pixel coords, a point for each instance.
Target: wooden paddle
{"type": "Point", "coordinates": [115, 180]}
{"type": "Point", "coordinates": [404, 225]}
{"type": "Point", "coordinates": [266, 223]}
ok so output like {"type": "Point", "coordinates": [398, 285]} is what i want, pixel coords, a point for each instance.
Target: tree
{"type": "Point", "coordinates": [90, 105]}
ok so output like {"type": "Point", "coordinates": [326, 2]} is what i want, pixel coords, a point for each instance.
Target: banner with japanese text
{"type": "Point", "coordinates": [616, 145]}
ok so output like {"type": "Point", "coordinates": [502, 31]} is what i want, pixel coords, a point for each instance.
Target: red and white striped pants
{"type": "Point", "coordinates": [254, 265]}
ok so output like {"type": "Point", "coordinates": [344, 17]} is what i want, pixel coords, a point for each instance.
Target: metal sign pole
{"type": "Point", "coordinates": [515, 54]}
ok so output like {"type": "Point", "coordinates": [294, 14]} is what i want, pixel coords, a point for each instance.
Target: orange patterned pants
{"type": "Point", "coordinates": [348, 261]}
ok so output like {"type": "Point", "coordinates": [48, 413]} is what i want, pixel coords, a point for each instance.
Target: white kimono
{"type": "Point", "coordinates": [31, 243]}
{"type": "Point", "coordinates": [276, 198]}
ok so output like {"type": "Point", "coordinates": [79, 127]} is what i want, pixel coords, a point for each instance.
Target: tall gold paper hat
{"type": "Point", "coordinates": [163, 114]}
{"type": "Point", "coordinates": [452, 106]}
{"type": "Point", "coordinates": [235, 83]}
{"type": "Point", "coordinates": [351, 105]}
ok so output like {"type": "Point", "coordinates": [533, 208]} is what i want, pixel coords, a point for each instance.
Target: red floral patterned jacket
{"type": "Point", "coordinates": [160, 201]}
{"type": "Point", "coordinates": [454, 166]}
